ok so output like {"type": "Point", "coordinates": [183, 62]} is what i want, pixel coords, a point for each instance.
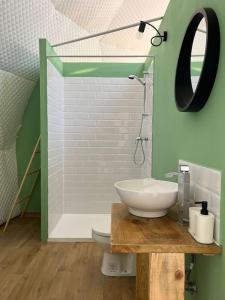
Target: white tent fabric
{"type": "Point", "coordinates": [101, 15]}
{"type": "Point", "coordinates": [14, 93]}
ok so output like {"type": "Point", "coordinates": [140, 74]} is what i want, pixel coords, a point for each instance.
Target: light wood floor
{"type": "Point", "coordinates": [31, 270]}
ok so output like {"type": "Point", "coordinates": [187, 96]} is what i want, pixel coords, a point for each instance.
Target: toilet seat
{"type": "Point", "coordinates": [101, 232]}
{"type": "Point", "coordinates": [103, 228]}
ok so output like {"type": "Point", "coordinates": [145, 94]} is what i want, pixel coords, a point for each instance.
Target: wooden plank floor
{"type": "Point", "coordinates": [31, 270]}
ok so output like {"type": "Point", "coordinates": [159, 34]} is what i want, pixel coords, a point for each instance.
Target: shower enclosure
{"type": "Point", "coordinates": [93, 130]}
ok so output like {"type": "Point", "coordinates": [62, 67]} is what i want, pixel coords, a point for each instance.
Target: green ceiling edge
{"type": "Point", "coordinates": [99, 69]}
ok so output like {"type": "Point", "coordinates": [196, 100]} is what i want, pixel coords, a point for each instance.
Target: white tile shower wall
{"type": "Point", "coordinates": [206, 186]}
{"type": "Point", "coordinates": [101, 121]}
{"type": "Point", "coordinates": [55, 146]}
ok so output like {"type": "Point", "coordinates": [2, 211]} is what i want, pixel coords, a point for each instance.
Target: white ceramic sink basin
{"type": "Point", "coordinates": [149, 198]}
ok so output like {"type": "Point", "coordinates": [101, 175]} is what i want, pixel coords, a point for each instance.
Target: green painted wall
{"type": "Point", "coordinates": [26, 141]}
{"type": "Point", "coordinates": [196, 68]}
{"type": "Point", "coordinates": [44, 139]}
{"type": "Point", "coordinates": [45, 50]}
{"type": "Point", "coordinates": [196, 137]}
{"type": "Point", "coordinates": [102, 69]}
{"type": "Point", "coordinates": [28, 136]}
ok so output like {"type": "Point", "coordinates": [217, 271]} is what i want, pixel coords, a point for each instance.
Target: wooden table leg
{"type": "Point", "coordinates": [160, 276]}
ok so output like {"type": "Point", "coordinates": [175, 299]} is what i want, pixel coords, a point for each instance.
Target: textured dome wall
{"type": "Point", "coordinates": [101, 15]}
{"type": "Point", "coordinates": [14, 94]}
{"type": "Point", "coordinates": [22, 23]}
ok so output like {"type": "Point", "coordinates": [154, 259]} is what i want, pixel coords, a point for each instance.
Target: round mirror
{"type": "Point", "coordinates": [198, 54]}
{"type": "Point", "coordinates": [198, 61]}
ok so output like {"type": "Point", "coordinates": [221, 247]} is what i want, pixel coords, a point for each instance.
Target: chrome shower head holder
{"type": "Point", "coordinates": [137, 78]}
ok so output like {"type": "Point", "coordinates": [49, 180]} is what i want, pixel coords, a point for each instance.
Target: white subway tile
{"type": "Point", "coordinates": [101, 119]}
{"type": "Point", "coordinates": [55, 146]}
{"type": "Point", "coordinates": [201, 194]}
{"type": "Point", "coordinates": [215, 204]}
{"type": "Point", "coordinates": [206, 186]}
{"type": "Point", "coordinates": [217, 230]}
{"type": "Point", "coordinates": [102, 109]}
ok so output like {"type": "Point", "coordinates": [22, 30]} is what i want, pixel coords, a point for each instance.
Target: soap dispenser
{"type": "Point", "coordinates": [204, 224]}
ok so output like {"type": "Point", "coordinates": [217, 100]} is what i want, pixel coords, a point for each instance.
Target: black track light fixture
{"type": "Point", "coordinates": [159, 37]}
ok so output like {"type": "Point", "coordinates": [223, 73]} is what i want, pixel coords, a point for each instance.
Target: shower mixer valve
{"type": "Point", "coordinates": [139, 138]}
{"type": "Point", "coordinates": [145, 115]}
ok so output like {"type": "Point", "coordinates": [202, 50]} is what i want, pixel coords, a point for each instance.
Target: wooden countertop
{"type": "Point", "coordinates": [131, 234]}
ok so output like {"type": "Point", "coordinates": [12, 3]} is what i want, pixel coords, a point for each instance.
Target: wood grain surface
{"type": "Point", "coordinates": [160, 276]}
{"type": "Point", "coordinates": [131, 234]}
{"type": "Point", "coordinates": [32, 270]}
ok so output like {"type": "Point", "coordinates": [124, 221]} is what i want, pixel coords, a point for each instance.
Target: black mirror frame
{"type": "Point", "coordinates": [186, 99]}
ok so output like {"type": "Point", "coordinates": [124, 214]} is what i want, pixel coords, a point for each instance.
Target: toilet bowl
{"type": "Point", "coordinates": [113, 264]}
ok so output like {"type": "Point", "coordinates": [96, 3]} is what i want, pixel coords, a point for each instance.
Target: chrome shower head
{"type": "Point", "coordinates": [138, 79]}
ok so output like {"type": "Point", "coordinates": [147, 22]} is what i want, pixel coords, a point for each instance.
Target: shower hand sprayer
{"type": "Point", "coordinates": [140, 139]}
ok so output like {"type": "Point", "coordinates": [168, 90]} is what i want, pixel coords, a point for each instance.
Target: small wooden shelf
{"type": "Point", "coordinates": [131, 234]}
{"type": "Point", "coordinates": [160, 245]}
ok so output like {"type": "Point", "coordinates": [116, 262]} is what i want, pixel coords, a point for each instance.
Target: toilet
{"type": "Point", "coordinates": [113, 264]}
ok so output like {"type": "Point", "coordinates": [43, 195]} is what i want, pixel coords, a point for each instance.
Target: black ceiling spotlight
{"type": "Point", "coordinates": [162, 38]}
